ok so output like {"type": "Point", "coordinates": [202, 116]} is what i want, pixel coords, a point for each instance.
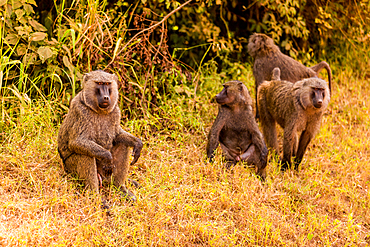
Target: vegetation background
{"type": "Point", "coordinates": [172, 58]}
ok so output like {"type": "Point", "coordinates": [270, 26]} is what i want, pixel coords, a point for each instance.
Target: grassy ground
{"type": "Point", "coordinates": [185, 202]}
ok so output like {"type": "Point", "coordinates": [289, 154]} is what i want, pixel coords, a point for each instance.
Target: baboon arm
{"type": "Point", "coordinates": [214, 134]}
{"type": "Point", "coordinates": [129, 140]}
{"type": "Point", "coordinates": [87, 147]}
{"type": "Point", "coordinates": [304, 140]}
{"type": "Point", "coordinates": [257, 139]}
{"type": "Point", "coordinates": [256, 136]}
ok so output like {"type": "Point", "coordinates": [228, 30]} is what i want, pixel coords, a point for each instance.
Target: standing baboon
{"type": "Point", "coordinates": [296, 107]}
{"type": "Point", "coordinates": [91, 142]}
{"type": "Point", "coordinates": [236, 129]}
{"type": "Point", "coordinates": [267, 56]}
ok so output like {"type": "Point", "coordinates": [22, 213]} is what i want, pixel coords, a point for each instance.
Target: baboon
{"type": "Point", "coordinates": [236, 130]}
{"type": "Point", "coordinates": [267, 56]}
{"type": "Point", "coordinates": [91, 142]}
{"type": "Point", "coordinates": [296, 107]}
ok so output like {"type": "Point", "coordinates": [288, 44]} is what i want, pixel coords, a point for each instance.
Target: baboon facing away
{"type": "Point", "coordinates": [267, 56]}
{"type": "Point", "coordinates": [91, 142]}
{"type": "Point", "coordinates": [296, 107]}
{"type": "Point", "coordinates": [236, 130]}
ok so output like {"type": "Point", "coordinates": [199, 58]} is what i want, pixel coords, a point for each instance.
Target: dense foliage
{"type": "Point", "coordinates": [159, 47]}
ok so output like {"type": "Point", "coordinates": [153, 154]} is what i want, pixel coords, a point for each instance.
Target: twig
{"type": "Point", "coordinates": [147, 29]}
{"type": "Point", "coordinates": [147, 75]}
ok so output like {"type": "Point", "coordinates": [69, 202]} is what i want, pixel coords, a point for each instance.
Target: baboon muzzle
{"type": "Point", "coordinates": [318, 104]}
{"type": "Point", "coordinates": [104, 98]}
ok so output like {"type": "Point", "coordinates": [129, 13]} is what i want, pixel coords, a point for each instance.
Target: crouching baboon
{"type": "Point", "coordinates": [236, 130]}
{"type": "Point", "coordinates": [267, 56]}
{"type": "Point", "coordinates": [91, 142]}
{"type": "Point", "coordinates": [297, 107]}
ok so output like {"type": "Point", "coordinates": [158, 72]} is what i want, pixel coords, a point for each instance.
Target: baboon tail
{"type": "Point", "coordinates": [318, 67]}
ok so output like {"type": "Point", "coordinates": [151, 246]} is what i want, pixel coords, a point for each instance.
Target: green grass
{"type": "Point", "coordinates": [184, 201]}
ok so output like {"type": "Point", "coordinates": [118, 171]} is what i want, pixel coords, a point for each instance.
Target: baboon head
{"type": "Point", "coordinates": [100, 91]}
{"type": "Point", "coordinates": [260, 45]}
{"type": "Point", "coordinates": [313, 92]}
{"type": "Point", "coordinates": [234, 92]}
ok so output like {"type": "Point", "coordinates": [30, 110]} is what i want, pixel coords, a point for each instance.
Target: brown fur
{"type": "Point", "coordinates": [236, 130]}
{"type": "Point", "coordinates": [292, 107]}
{"type": "Point", "coordinates": [267, 56]}
{"type": "Point", "coordinates": [91, 142]}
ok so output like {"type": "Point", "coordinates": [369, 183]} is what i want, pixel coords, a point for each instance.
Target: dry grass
{"type": "Point", "coordinates": [185, 202]}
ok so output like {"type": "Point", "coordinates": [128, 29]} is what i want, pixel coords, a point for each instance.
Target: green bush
{"type": "Point", "coordinates": [46, 49]}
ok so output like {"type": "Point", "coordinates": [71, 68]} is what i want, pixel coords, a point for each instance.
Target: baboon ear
{"type": "Point", "coordinates": [305, 98]}
{"type": "Point", "coordinates": [84, 79]}
{"type": "Point", "coordinates": [240, 85]}
{"type": "Point", "coordinates": [302, 95]}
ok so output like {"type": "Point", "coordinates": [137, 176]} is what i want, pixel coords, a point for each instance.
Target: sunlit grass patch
{"type": "Point", "coordinates": [184, 200]}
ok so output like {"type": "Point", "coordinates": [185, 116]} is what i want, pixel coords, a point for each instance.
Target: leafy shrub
{"type": "Point", "coordinates": [46, 49]}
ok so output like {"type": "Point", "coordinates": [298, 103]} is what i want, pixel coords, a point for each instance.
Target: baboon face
{"type": "Point", "coordinates": [318, 91]}
{"type": "Point", "coordinates": [100, 91]}
{"type": "Point", "coordinates": [318, 95]}
{"type": "Point", "coordinates": [313, 93]}
{"type": "Point", "coordinates": [103, 91]}
{"type": "Point", "coordinates": [230, 92]}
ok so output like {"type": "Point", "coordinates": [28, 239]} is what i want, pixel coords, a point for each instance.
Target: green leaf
{"type": "Point", "coordinates": [28, 8]}
{"type": "Point", "coordinates": [288, 46]}
{"type": "Point", "coordinates": [21, 49]}
{"type": "Point", "coordinates": [19, 13]}
{"type": "Point", "coordinates": [38, 36]}
{"type": "Point", "coordinates": [32, 2]}
{"type": "Point", "coordinates": [29, 58]}
{"type": "Point", "coordinates": [11, 39]}
{"type": "Point", "coordinates": [16, 4]}
{"type": "Point", "coordinates": [37, 26]}
{"type": "Point", "coordinates": [44, 53]}
{"type": "Point", "coordinates": [23, 30]}
{"type": "Point", "coordinates": [68, 64]}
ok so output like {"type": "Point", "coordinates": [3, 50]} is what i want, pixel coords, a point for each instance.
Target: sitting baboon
{"type": "Point", "coordinates": [91, 142]}
{"type": "Point", "coordinates": [296, 107]}
{"type": "Point", "coordinates": [268, 56]}
{"type": "Point", "coordinates": [236, 130]}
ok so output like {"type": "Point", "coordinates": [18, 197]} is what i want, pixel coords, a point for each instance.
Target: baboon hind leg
{"type": "Point", "coordinates": [251, 156]}
{"type": "Point", "coordinates": [85, 167]}
{"type": "Point", "coordinates": [289, 143]}
{"type": "Point", "coordinates": [120, 153]}
{"type": "Point", "coordinates": [270, 134]}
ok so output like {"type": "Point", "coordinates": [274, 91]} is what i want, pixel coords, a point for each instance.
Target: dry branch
{"type": "Point", "coordinates": [149, 28]}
